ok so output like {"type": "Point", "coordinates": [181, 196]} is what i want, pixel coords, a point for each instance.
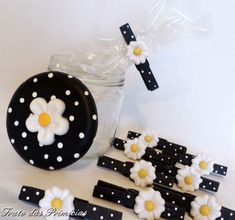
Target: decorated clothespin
{"type": "Point", "coordinates": [56, 204]}
{"type": "Point", "coordinates": [147, 204]}
{"type": "Point", "coordinates": [137, 52]}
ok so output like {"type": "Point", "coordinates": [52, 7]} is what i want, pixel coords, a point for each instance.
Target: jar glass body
{"type": "Point", "coordinates": [107, 89]}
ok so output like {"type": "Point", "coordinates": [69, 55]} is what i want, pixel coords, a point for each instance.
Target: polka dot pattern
{"type": "Point", "coordinates": [93, 211]}
{"type": "Point", "coordinates": [80, 110]}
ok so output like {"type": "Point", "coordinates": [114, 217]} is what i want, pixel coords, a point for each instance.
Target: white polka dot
{"type": "Point", "coordinates": [59, 159]}
{"type": "Point", "coordinates": [94, 117]}
{"type": "Point", "coordinates": [60, 145]}
{"type": "Point", "coordinates": [10, 110]}
{"type": "Point", "coordinates": [37, 193]}
{"type": "Point", "coordinates": [86, 93]}
{"type": "Point", "coordinates": [41, 145]}
{"type": "Point", "coordinates": [183, 198]}
{"type": "Point", "coordinates": [53, 97]}
{"type": "Point", "coordinates": [27, 198]}
{"type": "Point", "coordinates": [50, 75]}
{"type": "Point", "coordinates": [35, 80]}
{"type": "Point", "coordinates": [71, 118]}
{"type": "Point", "coordinates": [124, 32]}
{"type": "Point", "coordinates": [16, 123]}
{"type": "Point", "coordinates": [94, 209]}
{"type": "Point", "coordinates": [81, 135]}
{"type": "Point", "coordinates": [25, 148]}
{"type": "Point", "coordinates": [21, 100]}
{"type": "Point", "coordinates": [31, 161]}
{"type": "Point", "coordinates": [24, 134]}
{"type": "Point", "coordinates": [118, 201]}
{"type": "Point", "coordinates": [111, 215]}
{"type": "Point", "coordinates": [12, 141]}
{"type": "Point", "coordinates": [128, 196]}
{"type": "Point", "coordinates": [23, 189]}
{"type": "Point", "coordinates": [76, 103]}
{"type": "Point", "coordinates": [101, 196]}
{"type": "Point", "coordinates": [132, 36]}
{"type": "Point", "coordinates": [101, 217]}
{"type": "Point", "coordinates": [46, 156]}
{"type": "Point", "coordinates": [51, 168]}
{"type": "Point", "coordinates": [77, 155]}
{"type": "Point", "coordinates": [70, 77]}
{"type": "Point", "coordinates": [34, 94]}
{"type": "Point", "coordinates": [67, 92]}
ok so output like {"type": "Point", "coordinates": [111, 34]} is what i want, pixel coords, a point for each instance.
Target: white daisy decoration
{"type": "Point", "coordinates": [149, 138]}
{"type": "Point", "coordinates": [134, 149]}
{"type": "Point", "coordinates": [137, 51]}
{"type": "Point", "coordinates": [143, 173]}
{"type": "Point", "coordinates": [47, 120]}
{"type": "Point", "coordinates": [203, 164]}
{"type": "Point", "coordinates": [205, 208]}
{"type": "Point", "coordinates": [188, 179]}
{"type": "Point", "coordinates": [149, 204]}
{"type": "Point", "coordinates": [58, 200]}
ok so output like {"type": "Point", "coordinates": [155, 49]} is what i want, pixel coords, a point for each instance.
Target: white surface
{"type": "Point", "coordinates": [195, 105]}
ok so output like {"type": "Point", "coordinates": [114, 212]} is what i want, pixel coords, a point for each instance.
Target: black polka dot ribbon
{"type": "Point", "coordinates": [186, 159]}
{"type": "Point", "coordinates": [126, 198]}
{"type": "Point", "coordinates": [184, 200]}
{"type": "Point", "coordinates": [124, 168]}
{"type": "Point", "coordinates": [163, 144]}
{"type": "Point", "coordinates": [94, 212]}
{"type": "Point", "coordinates": [179, 153]}
{"type": "Point", "coordinates": [143, 68]}
{"type": "Point", "coordinates": [150, 154]}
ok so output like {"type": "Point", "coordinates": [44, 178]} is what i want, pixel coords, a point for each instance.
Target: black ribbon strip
{"type": "Point", "coordinates": [184, 200]}
{"type": "Point", "coordinates": [143, 68]}
{"type": "Point", "coordinates": [179, 154]}
{"type": "Point", "coordinates": [150, 154]}
{"type": "Point", "coordinates": [124, 168]}
{"type": "Point", "coordinates": [126, 197]}
{"type": "Point", "coordinates": [163, 144]}
{"type": "Point", "coordinates": [93, 212]}
{"type": "Point", "coordinates": [165, 175]}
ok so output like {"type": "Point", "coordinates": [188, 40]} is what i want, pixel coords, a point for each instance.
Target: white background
{"type": "Point", "coordinates": [194, 106]}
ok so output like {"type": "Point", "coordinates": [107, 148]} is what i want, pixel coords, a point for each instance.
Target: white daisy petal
{"type": "Point", "coordinates": [59, 125]}
{"type": "Point", "coordinates": [38, 105]}
{"type": "Point", "coordinates": [32, 123]}
{"type": "Point", "coordinates": [56, 106]}
{"type": "Point", "coordinates": [45, 136]}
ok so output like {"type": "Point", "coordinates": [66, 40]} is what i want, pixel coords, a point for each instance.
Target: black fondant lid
{"type": "Point", "coordinates": [52, 120]}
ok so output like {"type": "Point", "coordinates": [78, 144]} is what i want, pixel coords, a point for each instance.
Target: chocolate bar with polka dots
{"type": "Point", "coordinates": [126, 198]}
{"type": "Point", "coordinates": [150, 154]}
{"type": "Point", "coordinates": [93, 212]}
{"type": "Point", "coordinates": [143, 68]}
{"type": "Point", "coordinates": [186, 159]}
{"type": "Point", "coordinates": [124, 168]}
{"type": "Point", "coordinates": [163, 144]}
{"type": "Point", "coordinates": [185, 199]}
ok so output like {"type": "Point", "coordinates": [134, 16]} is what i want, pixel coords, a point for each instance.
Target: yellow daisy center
{"type": "Point", "coordinates": [203, 165]}
{"type": "Point", "coordinates": [142, 173]}
{"type": "Point", "coordinates": [44, 119]}
{"type": "Point", "coordinates": [134, 148]}
{"type": "Point", "coordinates": [137, 51]}
{"type": "Point", "coordinates": [188, 180]}
{"type": "Point", "coordinates": [148, 138]}
{"type": "Point", "coordinates": [205, 210]}
{"type": "Point", "coordinates": [56, 203]}
{"type": "Point", "coordinates": [149, 205]}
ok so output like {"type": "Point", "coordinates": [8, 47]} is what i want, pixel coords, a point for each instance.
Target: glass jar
{"type": "Point", "coordinates": [105, 80]}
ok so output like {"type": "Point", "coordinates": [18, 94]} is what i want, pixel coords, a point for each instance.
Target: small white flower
{"type": "Point", "coordinates": [58, 200]}
{"type": "Point", "coordinates": [149, 138]}
{"type": "Point", "coordinates": [149, 204]}
{"type": "Point", "coordinates": [205, 208]}
{"type": "Point", "coordinates": [137, 51]}
{"type": "Point", "coordinates": [143, 173]}
{"type": "Point", "coordinates": [47, 120]}
{"type": "Point", "coordinates": [134, 149]}
{"type": "Point", "coordinates": [188, 179]}
{"type": "Point", "coordinates": [203, 164]}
